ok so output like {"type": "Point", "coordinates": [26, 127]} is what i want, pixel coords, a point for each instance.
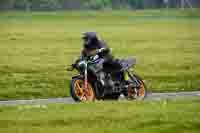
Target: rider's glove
{"type": "Point", "coordinates": [100, 50]}
{"type": "Point", "coordinates": [95, 57]}
{"type": "Point", "coordinates": [73, 65]}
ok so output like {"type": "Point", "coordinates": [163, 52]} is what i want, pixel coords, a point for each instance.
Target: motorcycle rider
{"type": "Point", "coordinates": [93, 46]}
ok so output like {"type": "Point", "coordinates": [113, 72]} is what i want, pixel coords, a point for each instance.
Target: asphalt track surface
{"type": "Point", "coordinates": [69, 100]}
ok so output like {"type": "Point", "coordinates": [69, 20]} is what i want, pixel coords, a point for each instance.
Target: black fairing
{"type": "Point", "coordinates": [119, 65]}
{"type": "Point", "coordinates": [111, 67]}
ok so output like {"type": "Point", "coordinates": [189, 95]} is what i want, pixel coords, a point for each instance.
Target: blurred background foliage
{"type": "Point", "coordinates": [28, 5]}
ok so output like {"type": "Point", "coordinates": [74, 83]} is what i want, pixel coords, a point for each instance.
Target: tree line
{"type": "Point", "coordinates": [68, 4]}
{"type": "Point", "coordinates": [28, 5]}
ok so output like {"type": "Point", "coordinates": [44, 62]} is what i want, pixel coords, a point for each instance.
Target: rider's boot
{"type": "Point", "coordinates": [127, 79]}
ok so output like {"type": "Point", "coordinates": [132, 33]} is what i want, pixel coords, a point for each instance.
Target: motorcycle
{"type": "Point", "coordinates": [118, 81]}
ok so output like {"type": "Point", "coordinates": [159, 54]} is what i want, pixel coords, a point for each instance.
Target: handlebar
{"type": "Point", "coordinates": [70, 68]}
{"type": "Point", "coordinates": [73, 66]}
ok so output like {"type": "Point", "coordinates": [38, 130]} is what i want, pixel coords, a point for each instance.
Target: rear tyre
{"type": "Point", "coordinates": [78, 93]}
{"type": "Point", "coordinates": [138, 93]}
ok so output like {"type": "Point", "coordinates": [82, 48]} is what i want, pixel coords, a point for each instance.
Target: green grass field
{"type": "Point", "coordinates": [103, 117]}
{"type": "Point", "coordinates": [36, 47]}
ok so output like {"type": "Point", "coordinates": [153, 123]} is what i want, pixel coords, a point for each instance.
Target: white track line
{"type": "Point", "coordinates": [69, 100]}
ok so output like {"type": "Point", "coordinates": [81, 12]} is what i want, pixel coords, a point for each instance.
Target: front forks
{"type": "Point", "coordinates": [85, 78]}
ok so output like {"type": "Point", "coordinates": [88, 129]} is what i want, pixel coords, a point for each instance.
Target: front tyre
{"type": "Point", "coordinates": [79, 93]}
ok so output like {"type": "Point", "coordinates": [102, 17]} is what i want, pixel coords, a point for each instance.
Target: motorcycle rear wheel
{"type": "Point", "coordinates": [78, 93]}
{"type": "Point", "coordinates": [138, 93]}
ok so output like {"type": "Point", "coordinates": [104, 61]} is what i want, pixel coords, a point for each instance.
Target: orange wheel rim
{"type": "Point", "coordinates": [141, 91]}
{"type": "Point", "coordinates": [78, 88]}
{"type": "Point", "coordinates": [131, 92]}
{"type": "Point", "coordinates": [82, 93]}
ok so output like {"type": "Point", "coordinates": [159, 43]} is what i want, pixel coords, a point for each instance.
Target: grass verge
{"type": "Point", "coordinates": [117, 117]}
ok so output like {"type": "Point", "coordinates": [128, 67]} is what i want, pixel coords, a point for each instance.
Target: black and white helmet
{"type": "Point", "coordinates": [89, 38]}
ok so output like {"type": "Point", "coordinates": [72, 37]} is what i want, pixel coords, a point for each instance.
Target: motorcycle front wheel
{"type": "Point", "coordinates": [79, 93]}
